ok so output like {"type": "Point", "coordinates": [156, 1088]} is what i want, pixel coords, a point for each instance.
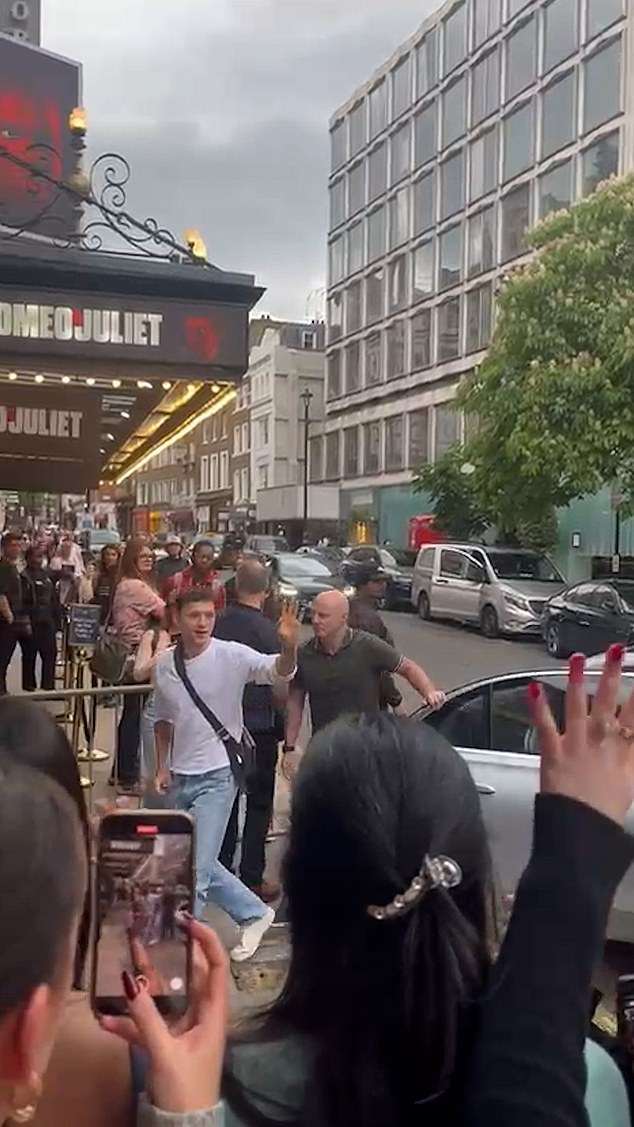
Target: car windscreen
{"type": "Point", "coordinates": [303, 567]}
{"type": "Point", "coordinates": [524, 565]}
{"type": "Point", "coordinates": [626, 591]}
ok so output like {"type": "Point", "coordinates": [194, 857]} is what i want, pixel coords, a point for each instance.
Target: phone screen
{"type": "Point", "coordinates": [144, 878]}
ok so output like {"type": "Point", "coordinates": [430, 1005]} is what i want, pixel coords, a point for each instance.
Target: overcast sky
{"type": "Point", "coordinates": [222, 107]}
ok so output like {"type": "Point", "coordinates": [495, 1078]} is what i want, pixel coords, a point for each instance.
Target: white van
{"type": "Point", "coordinates": [503, 590]}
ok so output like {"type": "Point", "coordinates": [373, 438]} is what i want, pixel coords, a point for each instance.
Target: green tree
{"type": "Point", "coordinates": [555, 395]}
{"type": "Point", "coordinates": [450, 483]}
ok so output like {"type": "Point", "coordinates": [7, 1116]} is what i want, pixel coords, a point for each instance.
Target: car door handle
{"type": "Point", "coordinates": [445, 582]}
{"type": "Point", "coordinates": [482, 788]}
{"type": "Point", "coordinates": [584, 621]}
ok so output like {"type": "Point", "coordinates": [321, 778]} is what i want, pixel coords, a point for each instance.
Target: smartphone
{"type": "Point", "coordinates": [144, 877]}
{"type": "Point", "coordinates": [625, 1011]}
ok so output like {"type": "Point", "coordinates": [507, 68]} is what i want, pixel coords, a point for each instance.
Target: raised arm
{"type": "Point", "coordinates": [421, 681]}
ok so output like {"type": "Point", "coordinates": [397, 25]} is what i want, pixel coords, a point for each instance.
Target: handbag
{"type": "Point", "coordinates": [241, 753]}
{"type": "Point", "coordinates": [110, 658]}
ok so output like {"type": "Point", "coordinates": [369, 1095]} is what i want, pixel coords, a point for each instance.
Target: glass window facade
{"type": "Point", "coordinates": [332, 456]}
{"type": "Point", "coordinates": [401, 87]}
{"type": "Point", "coordinates": [378, 109]}
{"type": "Point", "coordinates": [351, 452]}
{"type": "Point", "coordinates": [423, 260]}
{"type": "Point", "coordinates": [424, 203]}
{"type": "Point", "coordinates": [485, 87]}
{"type": "Point", "coordinates": [450, 255]}
{"type": "Point", "coordinates": [356, 188]}
{"type": "Point", "coordinates": [354, 307]}
{"type": "Point", "coordinates": [482, 244]}
{"type": "Point", "coordinates": [357, 128]}
{"type": "Point", "coordinates": [338, 144]}
{"type": "Point", "coordinates": [377, 172]}
{"type": "Point", "coordinates": [426, 63]}
{"type": "Point", "coordinates": [395, 349]}
{"type": "Point", "coordinates": [421, 339]}
{"type": "Point", "coordinates": [519, 140]}
{"type": "Point", "coordinates": [454, 111]}
{"type": "Point", "coordinates": [521, 58]}
{"type": "Point", "coordinates": [559, 114]}
{"type": "Point", "coordinates": [454, 37]}
{"type": "Point", "coordinates": [353, 367]}
{"type": "Point", "coordinates": [374, 295]}
{"type": "Point", "coordinates": [487, 17]}
{"type": "Point", "coordinates": [483, 164]}
{"type": "Point", "coordinates": [602, 86]}
{"type": "Point", "coordinates": [376, 233]}
{"type": "Point", "coordinates": [400, 162]}
{"type": "Point", "coordinates": [372, 448]}
{"type": "Point", "coordinates": [418, 446]}
{"type": "Point", "coordinates": [449, 327]}
{"type": "Point", "coordinates": [561, 31]}
{"type": "Point", "coordinates": [337, 202]}
{"type": "Point", "coordinates": [394, 443]}
{"type": "Point", "coordinates": [479, 317]}
{"type": "Point", "coordinates": [600, 161]}
{"type": "Point", "coordinates": [425, 135]}
{"type": "Point", "coordinates": [602, 14]}
{"type": "Point", "coordinates": [373, 365]}
{"type": "Point", "coordinates": [555, 189]}
{"type": "Point", "coordinates": [452, 197]}
{"type": "Point", "coordinates": [356, 257]}
{"type": "Point", "coordinates": [516, 218]}
{"type": "Point", "coordinates": [334, 375]}
{"type": "Point", "coordinates": [397, 292]}
{"type": "Point", "coordinates": [399, 218]}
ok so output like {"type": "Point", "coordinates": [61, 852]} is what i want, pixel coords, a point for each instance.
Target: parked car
{"type": "Point", "coordinates": [489, 723]}
{"type": "Point", "coordinates": [267, 545]}
{"type": "Point", "coordinates": [303, 577]}
{"type": "Point", "coordinates": [503, 590]}
{"type": "Point", "coordinates": [92, 540]}
{"type": "Point", "coordinates": [399, 578]}
{"type": "Point", "coordinates": [588, 617]}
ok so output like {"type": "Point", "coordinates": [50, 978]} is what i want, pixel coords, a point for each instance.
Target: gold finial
{"type": "Point", "coordinates": [196, 243]}
{"type": "Point", "coordinates": [77, 121]}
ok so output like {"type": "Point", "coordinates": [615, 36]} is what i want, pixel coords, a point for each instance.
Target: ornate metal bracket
{"type": "Point", "coordinates": [96, 213]}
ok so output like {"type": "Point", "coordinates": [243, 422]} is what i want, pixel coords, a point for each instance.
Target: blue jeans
{"type": "Point", "coordinates": [209, 799]}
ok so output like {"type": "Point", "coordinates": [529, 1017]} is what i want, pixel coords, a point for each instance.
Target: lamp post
{"type": "Point", "coordinates": [306, 398]}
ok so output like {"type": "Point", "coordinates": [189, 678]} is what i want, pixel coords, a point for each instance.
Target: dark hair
{"type": "Point", "coordinates": [388, 1005]}
{"type": "Point", "coordinates": [30, 736]}
{"type": "Point", "coordinates": [252, 579]}
{"type": "Point", "coordinates": [11, 538]}
{"type": "Point", "coordinates": [42, 881]}
{"type": "Point", "coordinates": [131, 553]}
{"type": "Point", "coordinates": [194, 595]}
{"type": "Point", "coordinates": [201, 544]}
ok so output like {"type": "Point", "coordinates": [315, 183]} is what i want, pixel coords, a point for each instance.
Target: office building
{"type": "Point", "coordinates": [494, 113]}
{"type": "Point", "coordinates": [21, 19]}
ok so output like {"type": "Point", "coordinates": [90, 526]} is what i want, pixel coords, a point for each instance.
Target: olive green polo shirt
{"type": "Point", "coordinates": [347, 682]}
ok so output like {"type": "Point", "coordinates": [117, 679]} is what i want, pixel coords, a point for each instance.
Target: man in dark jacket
{"type": "Point", "coordinates": [364, 615]}
{"type": "Point", "coordinates": [244, 621]}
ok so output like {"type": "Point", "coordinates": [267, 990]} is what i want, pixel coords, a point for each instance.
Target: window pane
{"type": "Point", "coordinates": [555, 189]}
{"type": "Point", "coordinates": [332, 455]}
{"type": "Point", "coordinates": [399, 218]}
{"type": "Point", "coordinates": [378, 109]}
{"type": "Point", "coordinates": [423, 263]}
{"type": "Point", "coordinates": [450, 257]}
{"type": "Point", "coordinates": [400, 147]}
{"type": "Point", "coordinates": [338, 145]}
{"type": "Point", "coordinates": [334, 375]}
{"type": "Point", "coordinates": [516, 6]}
{"type": "Point", "coordinates": [559, 114]}
{"type": "Point", "coordinates": [355, 248]}
{"type": "Point", "coordinates": [401, 88]}
{"type": "Point", "coordinates": [602, 86]}
{"type": "Point", "coordinates": [351, 452]}
{"type": "Point", "coordinates": [394, 439]}
{"type": "Point", "coordinates": [455, 38]}
{"type": "Point", "coordinates": [454, 111]}
{"type": "Point", "coordinates": [447, 429]}
{"type": "Point", "coordinates": [421, 340]}
{"type": "Point", "coordinates": [602, 13]}
{"type": "Point", "coordinates": [483, 175]}
{"type": "Point", "coordinates": [374, 295]}
{"type": "Point", "coordinates": [378, 171]}
{"type": "Point", "coordinates": [449, 329]}
{"type": "Point", "coordinates": [426, 69]}
{"type": "Point", "coordinates": [395, 349]}
{"type": "Point", "coordinates": [397, 294]}
{"type": "Point", "coordinates": [482, 242]}
{"type": "Point", "coordinates": [336, 260]}
{"type": "Point", "coordinates": [424, 203]}
{"type": "Point", "coordinates": [485, 87]}
{"type": "Point", "coordinates": [418, 437]}
{"type": "Point", "coordinates": [425, 135]}
{"type": "Point", "coordinates": [335, 317]}
{"type": "Point", "coordinates": [519, 141]}
{"type": "Point", "coordinates": [373, 367]}
{"type": "Point", "coordinates": [315, 460]}
{"type": "Point", "coordinates": [516, 217]}
{"type": "Point", "coordinates": [372, 448]}
{"type": "Point", "coordinates": [600, 161]}
{"type": "Point", "coordinates": [353, 367]}
{"type": "Point", "coordinates": [453, 186]}
{"type": "Point", "coordinates": [337, 202]}
{"type": "Point", "coordinates": [487, 19]}
{"type": "Point", "coordinates": [353, 307]}
{"type": "Point", "coordinates": [357, 129]}
{"type": "Point", "coordinates": [561, 31]}
{"type": "Point", "coordinates": [479, 318]}
{"type": "Point", "coordinates": [376, 234]}
{"type": "Point", "coordinates": [521, 59]}
{"type": "Point", "coordinates": [356, 188]}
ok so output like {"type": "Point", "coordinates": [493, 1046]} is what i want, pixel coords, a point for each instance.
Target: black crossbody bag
{"type": "Point", "coordinates": [241, 753]}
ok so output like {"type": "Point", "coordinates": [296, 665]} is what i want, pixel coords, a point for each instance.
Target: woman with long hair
{"type": "Point", "coordinates": [135, 602]}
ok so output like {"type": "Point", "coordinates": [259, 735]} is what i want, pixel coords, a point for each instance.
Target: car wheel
{"type": "Point", "coordinates": [489, 623]}
{"type": "Point", "coordinates": [424, 608]}
{"type": "Point", "coordinates": [553, 641]}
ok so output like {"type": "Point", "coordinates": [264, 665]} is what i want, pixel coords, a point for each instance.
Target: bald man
{"type": "Point", "coordinates": [339, 670]}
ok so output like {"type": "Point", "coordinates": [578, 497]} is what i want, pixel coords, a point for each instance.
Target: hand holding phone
{"type": "Point", "coordinates": [185, 1060]}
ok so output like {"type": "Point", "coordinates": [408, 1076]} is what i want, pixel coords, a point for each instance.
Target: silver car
{"type": "Point", "coordinates": [489, 723]}
{"type": "Point", "coordinates": [503, 590]}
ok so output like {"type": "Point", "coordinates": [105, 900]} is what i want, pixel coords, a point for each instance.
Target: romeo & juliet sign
{"type": "Point", "coordinates": [48, 434]}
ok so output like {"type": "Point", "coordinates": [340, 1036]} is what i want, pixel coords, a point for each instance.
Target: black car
{"type": "Point", "coordinates": [589, 617]}
{"type": "Point", "coordinates": [302, 578]}
{"type": "Point", "coordinates": [399, 577]}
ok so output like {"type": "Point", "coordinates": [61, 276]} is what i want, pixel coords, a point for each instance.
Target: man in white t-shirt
{"type": "Point", "coordinates": [192, 760]}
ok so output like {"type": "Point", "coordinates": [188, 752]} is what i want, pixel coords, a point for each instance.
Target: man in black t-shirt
{"type": "Point", "coordinates": [10, 602]}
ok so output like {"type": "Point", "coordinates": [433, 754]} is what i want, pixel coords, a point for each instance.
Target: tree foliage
{"type": "Point", "coordinates": [457, 508]}
{"type": "Point", "coordinates": [554, 397]}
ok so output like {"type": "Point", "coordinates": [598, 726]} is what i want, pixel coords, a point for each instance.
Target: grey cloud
{"type": "Point", "coordinates": [222, 108]}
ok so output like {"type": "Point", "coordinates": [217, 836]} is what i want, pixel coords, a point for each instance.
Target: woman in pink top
{"type": "Point", "coordinates": [135, 601]}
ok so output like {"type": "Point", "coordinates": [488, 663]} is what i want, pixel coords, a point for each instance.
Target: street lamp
{"type": "Point", "coordinates": [306, 398]}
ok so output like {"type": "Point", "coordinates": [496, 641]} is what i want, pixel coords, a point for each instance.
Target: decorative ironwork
{"type": "Point", "coordinates": [98, 200]}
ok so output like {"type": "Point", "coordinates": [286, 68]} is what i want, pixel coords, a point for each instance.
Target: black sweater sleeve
{"type": "Point", "coordinates": [528, 1069]}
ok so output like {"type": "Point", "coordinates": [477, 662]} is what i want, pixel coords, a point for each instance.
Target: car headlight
{"type": "Point", "coordinates": [287, 591]}
{"type": "Point", "coordinates": [349, 591]}
{"type": "Point", "coordinates": [517, 601]}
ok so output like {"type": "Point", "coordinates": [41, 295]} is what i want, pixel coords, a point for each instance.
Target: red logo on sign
{"type": "Point", "coordinates": [201, 337]}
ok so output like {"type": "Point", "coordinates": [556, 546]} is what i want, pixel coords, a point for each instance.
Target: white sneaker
{"type": "Point", "coordinates": [251, 935]}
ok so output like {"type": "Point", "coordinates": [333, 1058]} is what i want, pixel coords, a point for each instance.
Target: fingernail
{"type": "Point", "coordinates": [576, 667]}
{"type": "Point", "coordinates": [615, 654]}
{"type": "Point", "coordinates": [534, 690]}
{"type": "Point", "coordinates": [130, 987]}
{"type": "Point", "coordinates": [184, 920]}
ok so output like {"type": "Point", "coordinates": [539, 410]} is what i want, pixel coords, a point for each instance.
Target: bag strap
{"type": "Point", "coordinates": [232, 746]}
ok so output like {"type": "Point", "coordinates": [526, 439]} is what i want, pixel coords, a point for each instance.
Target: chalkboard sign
{"type": "Point", "coordinates": [84, 624]}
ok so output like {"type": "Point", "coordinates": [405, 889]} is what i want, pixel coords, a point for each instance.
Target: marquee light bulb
{"type": "Point", "coordinates": [166, 385]}
{"type": "Point", "coordinates": [65, 379]}
{"type": "Point", "coordinates": [39, 378]}
{"type": "Point", "coordinates": [90, 381]}
{"type": "Point", "coordinates": [13, 375]}
{"type": "Point", "coordinates": [116, 383]}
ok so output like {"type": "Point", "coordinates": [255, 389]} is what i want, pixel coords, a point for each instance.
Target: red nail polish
{"type": "Point", "coordinates": [576, 667]}
{"type": "Point", "coordinates": [615, 654]}
{"type": "Point", "coordinates": [130, 987]}
{"type": "Point", "coordinates": [534, 691]}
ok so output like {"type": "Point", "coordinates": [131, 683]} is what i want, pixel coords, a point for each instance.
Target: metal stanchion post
{"type": "Point", "coordinates": [78, 683]}
{"type": "Point", "coordinates": [91, 754]}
